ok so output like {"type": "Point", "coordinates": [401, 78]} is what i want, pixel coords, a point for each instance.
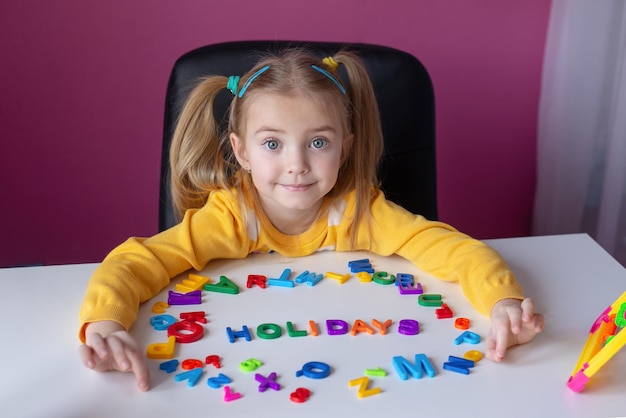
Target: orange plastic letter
{"type": "Point", "coordinates": [360, 326]}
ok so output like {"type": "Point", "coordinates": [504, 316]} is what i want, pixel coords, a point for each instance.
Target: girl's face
{"type": "Point", "coordinates": [292, 146]}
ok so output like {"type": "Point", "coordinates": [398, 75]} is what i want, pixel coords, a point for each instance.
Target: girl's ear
{"type": "Point", "coordinates": [240, 151]}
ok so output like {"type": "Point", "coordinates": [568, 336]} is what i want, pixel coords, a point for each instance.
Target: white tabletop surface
{"type": "Point", "coordinates": [571, 278]}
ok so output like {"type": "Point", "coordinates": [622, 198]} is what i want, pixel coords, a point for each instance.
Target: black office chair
{"type": "Point", "coordinates": [405, 98]}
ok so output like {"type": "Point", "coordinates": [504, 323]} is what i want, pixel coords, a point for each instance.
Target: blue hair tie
{"type": "Point", "coordinates": [330, 76]}
{"type": "Point", "coordinates": [233, 84]}
{"type": "Point", "coordinates": [251, 79]}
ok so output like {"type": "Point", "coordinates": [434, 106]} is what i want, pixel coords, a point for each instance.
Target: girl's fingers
{"type": "Point", "coordinates": [118, 348]}
{"type": "Point", "coordinates": [86, 355]}
{"type": "Point", "coordinates": [539, 322]}
{"type": "Point", "coordinates": [140, 369]}
{"type": "Point", "coordinates": [528, 309]}
{"type": "Point", "coordinates": [98, 345]}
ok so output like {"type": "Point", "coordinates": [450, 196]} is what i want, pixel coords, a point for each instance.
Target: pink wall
{"type": "Point", "coordinates": [81, 105]}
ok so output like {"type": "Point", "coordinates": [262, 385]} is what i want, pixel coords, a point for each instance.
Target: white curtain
{"type": "Point", "coordinates": [581, 166]}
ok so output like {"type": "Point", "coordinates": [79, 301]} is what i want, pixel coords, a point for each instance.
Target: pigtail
{"type": "Point", "coordinates": [201, 159]}
{"type": "Point", "coordinates": [367, 143]}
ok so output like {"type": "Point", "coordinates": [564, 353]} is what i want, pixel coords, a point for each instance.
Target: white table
{"type": "Point", "coordinates": [571, 278]}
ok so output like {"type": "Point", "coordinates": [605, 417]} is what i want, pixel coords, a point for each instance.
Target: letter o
{"type": "Point", "coordinates": [269, 331]}
{"type": "Point", "coordinates": [194, 330]}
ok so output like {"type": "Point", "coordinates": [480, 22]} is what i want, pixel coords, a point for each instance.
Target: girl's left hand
{"type": "Point", "coordinates": [513, 322]}
{"type": "Point", "coordinates": [108, 346]}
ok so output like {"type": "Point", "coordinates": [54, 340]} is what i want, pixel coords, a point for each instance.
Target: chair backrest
{"type": "Point", "coordinates": [405, 98]}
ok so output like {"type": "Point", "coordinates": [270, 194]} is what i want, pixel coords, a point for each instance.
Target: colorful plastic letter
{"type": "Point", "coordinates": [283, 280]}
{"type": "Point", "coordinates": [341, 278]}
{"type": "Point", "coordinates": [358, 262]}
{"type": "Point", "coordinates": [311, 279]}
{"type": "Point", "coordinates": [379, 372]}
{"type": "Point", "coordinates": [363, 392]}
{"type": "Point", "coordinates": [408, 327]}
{"type": "Point", "coordinates": [382, 277]}
{"type": "Point", "coordinates": [405, 279]}
{"type": "Point", "coordinates": [303, 277]}
{"type": "Point", "coordinates": [169, 366]}
{"type": "Point", "coordinates": [217, 382]}
{"type": "Point", "coordinates": [426, 364]}
{"type": "Point", "coordinates": [199, 316]}
{"type": "Point", "coordinates": [415, 289]}
{"type": "Point", "coordinates": [191, 298]}
{"type": "Point", "coordinates": [461, 323]}
{"type": "Point", "coordinates": [300, 395]}
{"type": "Point", "coordinates": [364, 276]}
{"type": "Point", "coordinates": [361, 326]}
{"type": "Point", "coordinates": [214, 360]}
{"type": "Point", "coordinates": [194, 282]}
{"type": "Point", "coordinates": [162, 322]}
{"type": "Point", "coordinates": [444, 312]}
{"type": "Point", "coordinates": [162, 351]}
{"type": "Point", "coordinates": [267, 382]}
{"type": "Point", "coordinates": [192, 363]}
{"type": "Point", "coordinates": [291, 330]}
{"type": "Point", "coordinates": [404, 367]}
{"type": "Point", "coordinates": [258, 280]}
{"type": "Point", "coordinates": [336, 327]}
{"type": "Point", "coordinates": [473, 355]}
{"type": "Point", "coordinates": [233, 335]}
{"type": "Point", "coordinates": [458, 365]}
{"type": "Point", "coordinates": [429, 300]}
{"type": "Point", "coordinates": [192, 376]}
{"type": "Point", "coordinates": [315, 280]}
{"type": "Point", "coordinates": [159, 307]}
{"type": "Point", "coordinates": [467, 337]}
{"type": "Point", "coordinates": [382, 327]}
{"type": "Point", "coordinates": [250, 365]}
{"type": "Point", "coordinates": [269, 331]}
{"type": "Point", "coordinates": [193, 331]}
{"type": "Point", "coordinates": [361, 266]}
{"type": "Point", "coordinates": [454, 367]}
{"type": "Point", "coordinates": [229, 395]}
{"type": "Point", "coordinates": [225, 285]}
{"type": "Point", "coordinates": [313, 327]}
{"type": "Point", "coordinates": [314, 370]}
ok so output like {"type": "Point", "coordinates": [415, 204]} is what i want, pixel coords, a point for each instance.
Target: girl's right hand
{"type": "Point", "coordinates": [108, 346]}
{"type": "Point", "coordinates": [513, 322]}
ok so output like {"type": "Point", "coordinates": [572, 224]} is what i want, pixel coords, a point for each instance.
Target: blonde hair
{"type": "Point", "coordinates": [201, 157]}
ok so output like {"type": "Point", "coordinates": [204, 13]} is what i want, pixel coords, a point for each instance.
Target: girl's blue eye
{"type": "Point", "coordinates": [271, 144]}
{"type": "Point", "coordinates": [318, 143]}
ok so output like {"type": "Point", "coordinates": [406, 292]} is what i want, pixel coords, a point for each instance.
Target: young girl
{"type": "Point", "coordinates": [296, 174]}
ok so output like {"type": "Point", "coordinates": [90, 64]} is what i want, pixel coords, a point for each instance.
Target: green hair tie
{"type": "Point", "coordinates": [233, 84]}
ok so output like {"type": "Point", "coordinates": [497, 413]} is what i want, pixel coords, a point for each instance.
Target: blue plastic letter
{"type": "Point", "coordinates": [233, 335]}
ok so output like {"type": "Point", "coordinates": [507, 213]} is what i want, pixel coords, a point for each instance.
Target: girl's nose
{"type": "Point", "coordinates": [297, 163]}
